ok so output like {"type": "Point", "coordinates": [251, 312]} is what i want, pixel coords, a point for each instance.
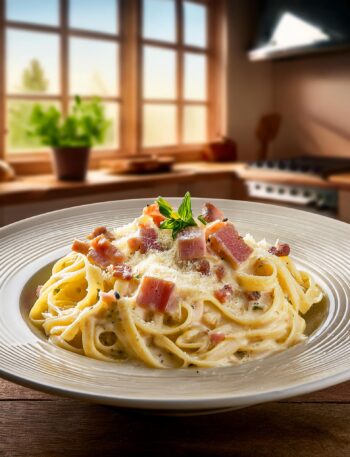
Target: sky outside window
{"type": "Point", "coordinates": [98, 16]}
{"type": "Point", "coordinates": [159, 20]}
{"type": "Point", "coordinates": [35, 11]}
{"type": "Point", "coordinates": [195, 24]}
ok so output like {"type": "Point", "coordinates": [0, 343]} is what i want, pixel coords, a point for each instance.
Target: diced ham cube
{"type": "Point", "coordinates": [191, 244]}
{"type": "Point", "coordinates": [211, 213]}
{"type": "Point", "coordinates": [149, 239]}
{"type": "Point", "coordinates": [281, 250]}
{"type": "Point", "coordinates": [103, 253]}
{"type": "Point", "coordinates": [145, 241]}
{"type": "Point", "coordinates": [154, 213]}
{"type": "Point", "coordinates": [224, 293]}
{"type": "Point", "coordinates": [227, 243]}
{"type": "Point", "coordinates": [203, 267]}
{"type": "Point", "coordinates": [156, 294]}
{"type": "Point", "coordinates": [80, 246]}
{"type": "Point", "coordinates": [101, 231]}
{"type": "Point", "coordinates": [122, 271]}
{"type": "Point", "coordinates": [216, 337]}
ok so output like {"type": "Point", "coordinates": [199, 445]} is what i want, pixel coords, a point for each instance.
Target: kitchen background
{"type": "Point", "coordinates": [220, 95]}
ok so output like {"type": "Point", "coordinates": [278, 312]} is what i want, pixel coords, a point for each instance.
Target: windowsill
{"type": "Point", "coordinates": [40, 163]}
{"type": "Point", "coordinates": [35, 188]}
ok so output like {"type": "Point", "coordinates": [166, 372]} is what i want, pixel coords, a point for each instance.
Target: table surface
{"type": "Point", "coordinates": [36, 424]}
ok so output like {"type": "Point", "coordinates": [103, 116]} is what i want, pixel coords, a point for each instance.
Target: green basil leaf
{"type": "Point", "coordinates": [201, 218]}
{"type": "Point", "coordinates": [165, 208]}
{"type": "Point", "coordinates": [169, 224]}
{"type": "Point", "coordinates": [179, 226]}
{"type": "Point", "coordinates": [185, 210]}
{"type": "Point", "coordinates": [176, 221]}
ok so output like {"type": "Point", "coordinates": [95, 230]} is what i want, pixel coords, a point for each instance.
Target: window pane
{"type": "Point", "coordinates": [35, 11]}
{"type": "Point", "coordinates": [32, 62]}
{"type": "Point", "coordinates": [195, 24]}
{"type": "Point", "coordinates": [159, 74]}
{"type": "Point", "coordinates": [94, 67]}
{"type": "Point", "coordinates": [94, 15]}
{"type": "Point", "coordinates": [159, 20]}
{"type": "Point", "coordinates": [159, 125]}
{"type": "Point", "coordinates": [112, 112]}
{"type": "Point", "coordinates": [18, 115]}
{"type": "Point", "coordinates": [195, 77]}
{"type": "Point", "coordinates": [195, 124]}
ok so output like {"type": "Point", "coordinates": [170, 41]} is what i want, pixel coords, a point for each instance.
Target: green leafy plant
{"type": "Point", "coordinates": [85, 126]}
{"type": "Point", "coordinates": [180, 219]}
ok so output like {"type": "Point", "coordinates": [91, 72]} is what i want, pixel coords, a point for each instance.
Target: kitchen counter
{"type": "Point", "coordinates": [341, 181]}
{"type": "Point", "coordinates": [46, 187]}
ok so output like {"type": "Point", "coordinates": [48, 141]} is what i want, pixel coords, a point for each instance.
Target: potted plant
{"type": "Point", "coordinates": [71, 138]}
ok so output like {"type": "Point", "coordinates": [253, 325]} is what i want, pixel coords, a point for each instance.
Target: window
{"type": "Point", "coordinates": [154, 64]}
{"type": "Point", "coordinates": [55, 50]}
{"type": "Point", "coordinates": [175, 54]}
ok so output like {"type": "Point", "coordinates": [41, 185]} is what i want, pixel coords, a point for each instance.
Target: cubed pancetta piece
{"type": "Point", "coordinates": [156, 294]}
{"type": "Point", "coordinates": [191, 244]}
{"type": "Point", "coordinates": [149, 239]}
{"type": "Point", "coordinates": [253, 295]}
{"type": "Point", "coordinates": [122, 271]}
{"type": "Point", "coordinates": [103, 253]}
{"type": "Point", "coordinates": [224, 293]}
{"type": "Point", "coordinates": [80, 246]}
{"type": "Point", "coordinates": [102, 230]}
{"type": "Point", "coordinates": [145, 241]}
{"type": "Point", "coordinates": [216, 337]}
{"type": "Point", "coordinates": [281, 250]}
{"type": "Point", "coordinates": [211, 213]}
{"type": "Point", "coordinates": [203, 267]}
{"type": "Point", "coordinates": [227, 243]}
{"type": "Point", "coordinates": [219, 271]}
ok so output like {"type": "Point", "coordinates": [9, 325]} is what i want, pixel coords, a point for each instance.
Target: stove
{"type": "Point", "coordinates": [309, 197]}
{"type": "Point", "coordinates": [319, 166]}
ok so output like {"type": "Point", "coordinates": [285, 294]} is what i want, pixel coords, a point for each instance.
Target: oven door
{"type": "Point", "coordinates": [314, 199]}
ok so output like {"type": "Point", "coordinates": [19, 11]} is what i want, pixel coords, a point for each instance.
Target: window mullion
{"type": "Point", "coordinates": [64, 66]}
{"type": "Point", "coordinates": [130, 76]}
{"type": "Point", "coordinates": [179, 71]}
{"type": "Point", "coordinates": [216, 65]}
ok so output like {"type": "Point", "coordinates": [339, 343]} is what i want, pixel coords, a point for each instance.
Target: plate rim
{"type": "Point", "coordinates": [214, 401]}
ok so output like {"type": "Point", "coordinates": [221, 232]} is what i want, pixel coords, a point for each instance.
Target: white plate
{"type": "Point", "coordinates": [318, 244]}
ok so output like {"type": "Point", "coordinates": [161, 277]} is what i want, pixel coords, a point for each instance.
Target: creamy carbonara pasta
{"type": "Point", "coordinates": [171, 290]}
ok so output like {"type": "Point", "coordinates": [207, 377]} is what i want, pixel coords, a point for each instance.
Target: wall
{"type": "Point", "coordinates": [313, 95]}
{"type": "Point", "coordinates": [249, 85]}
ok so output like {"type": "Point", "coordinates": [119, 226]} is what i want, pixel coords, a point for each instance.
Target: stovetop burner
{"type": "Point", "coordinates": [320, 166]}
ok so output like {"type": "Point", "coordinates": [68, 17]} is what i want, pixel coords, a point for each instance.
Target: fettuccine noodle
{"type": "Point", "coordinates": [221, 316]}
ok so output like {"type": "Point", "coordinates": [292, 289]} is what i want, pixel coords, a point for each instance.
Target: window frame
{"type": "Point", "coordinates": [130, 99]}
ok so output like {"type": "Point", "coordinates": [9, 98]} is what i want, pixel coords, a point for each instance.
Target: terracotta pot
{"type": "Point", "coordinates": [71, 164]}
{"type": "Point", "coordinates": [223, 150]}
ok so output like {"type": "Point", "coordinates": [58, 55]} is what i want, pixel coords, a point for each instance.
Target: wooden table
{"type": "Point", "coordinates": [34, 424]}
